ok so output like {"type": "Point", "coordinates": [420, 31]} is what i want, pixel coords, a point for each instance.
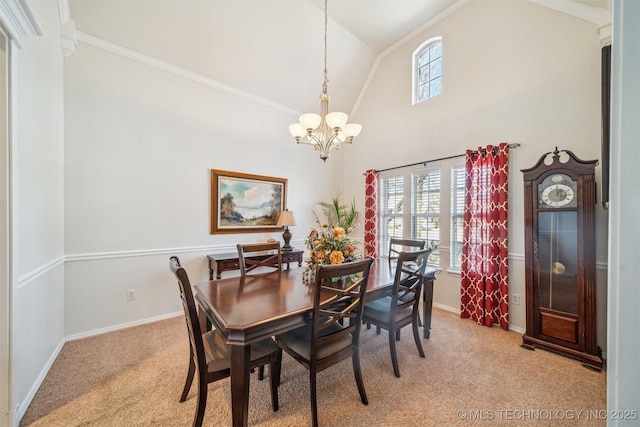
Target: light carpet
{"type": "Point", "coordinates": [472, 375]}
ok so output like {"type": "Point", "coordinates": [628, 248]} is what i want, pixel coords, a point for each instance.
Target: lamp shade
{"type": "Point", "coordinates": [297, 130]}
{"type": "Point", "coordinates": [336, 119]}
{"type": "Point", "coordinates": [310, 120]}
{"type": "Point", "coordinates": [352, 129]}
{"type": "Point", "coordinates": [286, 218]}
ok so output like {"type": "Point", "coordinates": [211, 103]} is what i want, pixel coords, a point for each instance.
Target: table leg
{"type": "Point", "coordinates": [240, 356]}
{"type": "Point", "coordinates": [427, 305]}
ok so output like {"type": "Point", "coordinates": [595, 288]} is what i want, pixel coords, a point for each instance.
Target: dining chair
{"type": "Point", "coordinates": [260, 257]}
{"type": "Point", "coordinates": [401, 307]}
{"type": "Point", "coordinates": [398, 245]}
{"type": "Point", "coordinates": [334, 331]}
{"type": "Point", "coordinates": [210, 355]}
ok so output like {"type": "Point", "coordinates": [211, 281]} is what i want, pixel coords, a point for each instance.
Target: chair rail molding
{"type": "Point", "coordinates": [39, 271]}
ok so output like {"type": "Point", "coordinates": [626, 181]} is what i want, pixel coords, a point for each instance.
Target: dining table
{"type": "Point", "coordinates": [247, 309]}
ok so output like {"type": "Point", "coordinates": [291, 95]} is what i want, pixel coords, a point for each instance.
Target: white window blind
{"type": "Point", "coordinates": [457, 215]}
{"type": "Point", "coordinates": [391, 210]}
{"type": "Point", "coordinates": [425, 210]}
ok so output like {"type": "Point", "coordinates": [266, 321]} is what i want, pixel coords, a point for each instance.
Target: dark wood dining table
{"type": "Point", "coordinates": [248, 309]}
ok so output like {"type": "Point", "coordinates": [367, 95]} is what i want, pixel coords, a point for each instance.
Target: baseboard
{"type": "Point", "coordinates": [457, 311]}
{"type": "Point", "coordinates": [21, 407]}
{"type": "Point", "coordinates": [446, 308]}
{"type": "Point", "coordinates": [122, 326]}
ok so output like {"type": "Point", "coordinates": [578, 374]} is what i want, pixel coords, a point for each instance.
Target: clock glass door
{"type": "Point", "coordinates": [558, 260]}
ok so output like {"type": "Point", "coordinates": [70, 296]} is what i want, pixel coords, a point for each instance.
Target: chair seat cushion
{"type": "Point", "coordinates": [218, 353]}
{"type": "Point", "coordinates": [299, 340]}
{"type": "Point", "coordinates": [378, 311]}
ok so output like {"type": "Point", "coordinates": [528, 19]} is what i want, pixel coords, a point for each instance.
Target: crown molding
{"type": "Point", "coordinates": [605, 34]}
{"type": "Point", "coordinates": [180, 72]}
{"type": "Point", "coordinates": [18, 20]}
{"type": "Point", "coordinates": [591, 14]}
{"type": "Point", "coordinates": [65, 11]}
{"type": "Point", "coordinates": [69, 39]}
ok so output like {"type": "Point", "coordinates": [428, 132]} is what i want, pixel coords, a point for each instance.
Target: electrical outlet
{"type": "Point", "coordinates": [515, 299]}
{"type": "Point", "coordinates": [131, 294]}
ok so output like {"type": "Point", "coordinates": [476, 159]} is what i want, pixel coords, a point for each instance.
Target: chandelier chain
{"type": "Point", "coordinates": [326, 79]}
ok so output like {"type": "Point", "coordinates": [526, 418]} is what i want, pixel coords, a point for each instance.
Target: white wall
{"type": "Point", "coordinates": [139, 146]}
{"type": "Point", "coordinates": [38, 216]}
{"type": "Point", "coordinates": [514, 72]}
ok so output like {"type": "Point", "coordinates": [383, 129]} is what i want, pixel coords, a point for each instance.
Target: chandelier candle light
{"type": "Point", "coordinates": [286, 219]}
{"type": "Point", "coordinates": [327, 130]}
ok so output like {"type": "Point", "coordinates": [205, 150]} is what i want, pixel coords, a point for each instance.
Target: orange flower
{"type": "Point", "coordinates": [336, 257]}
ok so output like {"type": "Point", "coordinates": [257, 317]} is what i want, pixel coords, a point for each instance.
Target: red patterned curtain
{"type": "Point", "coordinates": [484, 282]}
{"type": "Point", "coordinates": [371, 213]}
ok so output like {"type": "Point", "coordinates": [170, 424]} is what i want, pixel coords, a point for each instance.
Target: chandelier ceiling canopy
{"type": "Point", "coordinates": [327, 130]}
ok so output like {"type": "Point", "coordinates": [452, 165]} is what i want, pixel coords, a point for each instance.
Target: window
{"type": "Point", "coordinates": [390, 215]}
{"type": "Point", "coordinates": [427, 70]}
{"type": "Point", "coordinates": [457, 215]}
{"type": "Point", "coordinates": [422, 221]}
{"type": "Point", "coordinates": [425, 211]}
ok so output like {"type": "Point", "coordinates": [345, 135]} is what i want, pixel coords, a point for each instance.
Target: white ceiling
{"type": "Point", "coordinates": [273, 49]}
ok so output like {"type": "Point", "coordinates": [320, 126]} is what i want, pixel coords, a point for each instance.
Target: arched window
{"type": "Point", "coordinates": [427, 70]}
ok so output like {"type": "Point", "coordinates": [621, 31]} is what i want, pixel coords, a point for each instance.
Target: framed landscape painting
{"type": "Point", "coordinates": [245, 203]}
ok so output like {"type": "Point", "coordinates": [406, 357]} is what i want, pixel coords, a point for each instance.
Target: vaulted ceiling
{"type": "Point", "coordinates": [274, 49]}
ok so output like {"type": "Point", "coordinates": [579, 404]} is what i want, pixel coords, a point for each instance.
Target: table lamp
{"type": "Point", "coordinates": [286, 219]}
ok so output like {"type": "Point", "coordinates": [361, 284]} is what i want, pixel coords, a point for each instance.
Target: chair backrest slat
{"type": "Point", "coordinates": [252, 256]}
{"type": "Point", "coordinates": [337, 301]}
{"type": "Point", "coordinates": [399, 245]}
{"type": "Point", "coordinates": [408, 280]}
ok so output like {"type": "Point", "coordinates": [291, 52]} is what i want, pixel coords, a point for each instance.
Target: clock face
{"type": "Point", "coordinates": [557, 191]}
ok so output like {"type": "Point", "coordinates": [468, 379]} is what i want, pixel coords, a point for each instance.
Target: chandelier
{"type": "Point", "coordinates": [327, 130]}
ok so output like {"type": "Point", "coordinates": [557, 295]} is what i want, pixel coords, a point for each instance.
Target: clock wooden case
{"type": "Point", "coordinates": [560, 199]}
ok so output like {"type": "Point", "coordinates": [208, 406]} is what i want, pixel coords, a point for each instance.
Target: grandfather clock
{"type": "Point", "coordinates": [559, 201]}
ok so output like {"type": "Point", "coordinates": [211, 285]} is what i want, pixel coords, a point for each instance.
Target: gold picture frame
{"type": "Point", "coordinates": [246, 203]}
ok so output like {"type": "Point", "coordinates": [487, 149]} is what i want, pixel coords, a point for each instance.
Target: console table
{"type": "Point", "coordinates": [224, 262]}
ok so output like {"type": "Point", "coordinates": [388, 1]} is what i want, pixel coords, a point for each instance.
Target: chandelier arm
{"type": "Point", "coordinates": [314, 140]}
{"type": "Point", "coordinates": [307, 141]}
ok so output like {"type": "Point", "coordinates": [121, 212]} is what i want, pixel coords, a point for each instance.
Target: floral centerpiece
{"type": "Point", "coordinates": [330, 242]}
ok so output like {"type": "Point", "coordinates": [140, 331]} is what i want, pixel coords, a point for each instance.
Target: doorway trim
{"type": "Point", "coordinates": [16, 23]}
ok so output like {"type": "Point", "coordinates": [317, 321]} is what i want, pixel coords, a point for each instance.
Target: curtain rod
{"type": "Point", "coordinates": [514, 145]}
